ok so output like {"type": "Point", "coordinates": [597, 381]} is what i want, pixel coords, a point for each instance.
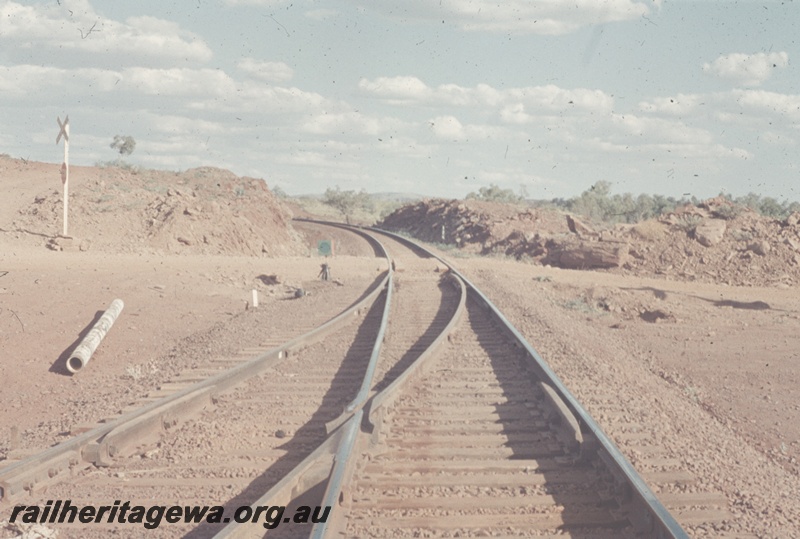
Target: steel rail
{"type": "Point", "coordinates": [359, 400]}
{"type": "Point", "coordinates": [100, 445]}
{"type": "Point", "coordinates": [366, 384]}
{"type": "Point", "coordinates": [342, 469]}
{"type": "Point", "coordinates": [381, 401]}
{"type": "Point", "coordinates": [646, 513]}
{"type": "Point", "coordinates": [377, 409]}
{"type": "Point", "coordinates": [363, 393]}
{"type": "Point", "coordinates": [315, 468]}
{"type": "Point", "coordinates": [347, 426]}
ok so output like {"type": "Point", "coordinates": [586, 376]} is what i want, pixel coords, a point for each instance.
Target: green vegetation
{"type": "Point", "coordinates": [359, 207]}
{"type": "Point", "coordinates": [688, 222]}
{"type": "Point", "coordinates": [118, 163]}
{"type": "Point", "coordinates": [766, 206]}
{"type": "Point", "coordinates": [123, 144]}
{"type": "Point", "coordinates": [599, 205]}
{"type": "Point", "coordinates": [495, 193]}
{"type": "Point", "coordinates": [346, 202]}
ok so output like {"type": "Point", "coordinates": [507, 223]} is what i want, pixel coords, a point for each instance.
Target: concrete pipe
{"type": "Point", "coordinates": [81, 355]}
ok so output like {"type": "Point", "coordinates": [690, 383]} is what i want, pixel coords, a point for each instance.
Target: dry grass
{"type": "Point", "coordinates": [650, 230]}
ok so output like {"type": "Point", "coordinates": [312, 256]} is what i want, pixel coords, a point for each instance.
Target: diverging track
{"type": "Point", "coordinates": [430, 417]}
{"type": "Point", "coordinates": [225, 433]}
{"type": "Point", "coordinates": [481, 440]}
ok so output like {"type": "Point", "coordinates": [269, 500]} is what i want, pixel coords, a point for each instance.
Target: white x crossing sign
{"type": "Point", "coordinates": [63, 132]}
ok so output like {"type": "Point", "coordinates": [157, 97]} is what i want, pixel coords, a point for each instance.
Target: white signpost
{"type": "Point", "coordinates": [64, 131]}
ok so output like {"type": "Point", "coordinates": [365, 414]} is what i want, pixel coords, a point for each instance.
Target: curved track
{"type": "Point", "coordinates": [483, 440]}
{"type": "Point", "coordinates": [144, 429]}
{"type": "Point", "coordinates": [431, 417]}
{"type": "Point", "coordinates": [470, 448]}
{"type": "Point", "coordinates": [228, 430]}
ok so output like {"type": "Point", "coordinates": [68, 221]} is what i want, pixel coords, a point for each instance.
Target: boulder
{"type": "Point", "coordinates": [760, 248]}
{"type": "Point", "coordinates": [710, 231]}
{"type": "Point", "coordinates": [576, 226]}
{"type": "Point", "coordinates": [594, 255]}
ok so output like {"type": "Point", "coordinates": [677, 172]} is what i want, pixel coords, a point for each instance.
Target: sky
{"type": "Point", "coordinates": [436, 98]}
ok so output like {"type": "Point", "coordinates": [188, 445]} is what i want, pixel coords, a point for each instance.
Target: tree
{"type": "Point", "coordinates": [494, 193]}
{"type": "Point", "coordinates": [124, 145]}
{"type": "Point", "coordinates": [594, 203]}
{"type": "Point", "coordinates": [278, 192]}
{"type": "Point", "coordinates": [770, 207]}
{"type": "Point", "coordinates": [347, 201]}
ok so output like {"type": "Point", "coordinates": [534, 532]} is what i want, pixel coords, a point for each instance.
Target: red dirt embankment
{"type": "Point", "coordinates": [715, 242]}
{"type": "Point", "coordinates": [200, 211]}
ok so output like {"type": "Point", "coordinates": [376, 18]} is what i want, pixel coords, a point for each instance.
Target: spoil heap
{"type": "Point", "coordinates": [715, 241]}
{"type": "Point", "coordinates": [200, 211]}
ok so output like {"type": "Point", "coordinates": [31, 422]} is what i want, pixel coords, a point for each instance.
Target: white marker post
{"type": "Point", "coordinates": [64, 131]}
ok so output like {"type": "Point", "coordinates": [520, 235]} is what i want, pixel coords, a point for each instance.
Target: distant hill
{"type": "Point", "coordinates": [385, 196]}
{"type": "Point", "coordinates": [398, 197]}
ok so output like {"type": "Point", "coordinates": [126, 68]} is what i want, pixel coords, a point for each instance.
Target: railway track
{"type": "Point", "coordinates": [159, 449]}
{"type": "Point", "coordinates": [401, 435]}
{"type": "Point", "coordinates": [471, 448]}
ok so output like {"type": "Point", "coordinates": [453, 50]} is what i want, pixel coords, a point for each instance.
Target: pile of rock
{"type": "Point", "coordinates": [720, 242]}
{"type": "Point", "coordinates": [715, 241]}
{"type": "Point", "coordinates": [200, 211]}
{"type": "Point", "coordinates": [475, 225]}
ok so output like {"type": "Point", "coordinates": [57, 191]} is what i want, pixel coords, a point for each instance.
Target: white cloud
{"type": "Point", "coordinates": [450, 128]}
{"type": "Point", "coordinates": [183, 125]}
{"type": "Point", "coordinates": [447, 127]}
{"type": "Point", "coordinates": [552, 98]}
{"type": "Point", "coordinates": [176, 89]}
{"type": "Point", "coordinates": [178, 81]}
{"type": "Point", "coordinates": [349, 123]}
{"type": "Point", "coordinates": [517, 104]}
{"type": "Point", "coordinates": [747, 69]}
{"type": "Point", "coordinates": [659, 129]}
{"type": "Point", "coordinates": [319, 159]}
{"type": "Point", "coordinates": [406, 148]}
{"type": "Point", "coordinates": [266, 71]}
{"type": "Point", "coordinates": [74, 26]}
{"type": "Point", "coordinates": [553, 17]}
{"type": "Point", "coordinates": [783, 105]}
{"type": "Point", "coordinates": [396, 89]}
{"type": "Point", "coordinates": [27, 82]}
{"type": "Point", "coordinates": [260, 99]}
{"type": "Point", "coordinates": [778, 139]}
{"type": "Point", "coordinates": [515, 114]}
{"type": "Point", "coordinates": [678, 105]}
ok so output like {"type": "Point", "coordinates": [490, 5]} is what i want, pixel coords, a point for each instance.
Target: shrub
{"type": "Point", "coordinates": [495, 193]}
{"type": "Point", "coordinates": [688, 222]}
{"type": "Point", "coordinates": [347, 201]}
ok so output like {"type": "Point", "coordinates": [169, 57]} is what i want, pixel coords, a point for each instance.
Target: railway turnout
{"type": "Point", "coordinates": [419, 411]}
